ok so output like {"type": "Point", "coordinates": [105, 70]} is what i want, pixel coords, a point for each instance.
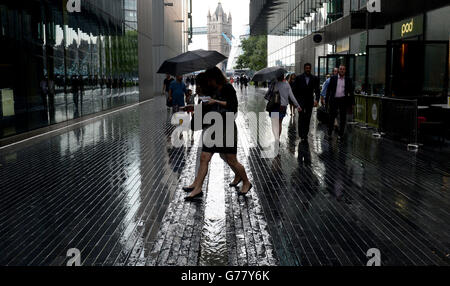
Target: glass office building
{"type": "Point", "coordinates": [56, 65]}
{"type": "Point", "coordinates": [403, 51]}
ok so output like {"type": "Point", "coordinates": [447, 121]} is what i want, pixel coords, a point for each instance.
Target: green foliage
{"type": "Point", "coordinates": [255, 53]}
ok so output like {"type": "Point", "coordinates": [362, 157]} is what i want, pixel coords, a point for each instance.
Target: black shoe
{"type": "Point", "coordinates": [243, 194]}
{"type": "Point", "coordinates": [188, 190]}
{"type": "Point", "coordinates": [235, 185]}
{"type": "Point", "coordinates": [194, 198]}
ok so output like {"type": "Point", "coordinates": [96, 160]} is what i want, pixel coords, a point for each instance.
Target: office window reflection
{"type": "Point", "coordinates": [56, 66]}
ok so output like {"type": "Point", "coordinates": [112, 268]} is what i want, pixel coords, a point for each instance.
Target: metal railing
{"type": "Point", "coordinates": [396, 118]}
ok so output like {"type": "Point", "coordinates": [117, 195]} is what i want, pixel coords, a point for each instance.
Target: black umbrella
{"type": "Point", "coordinates": [191, 62]}
{"type": "Point", "coordinates": [269, 74]}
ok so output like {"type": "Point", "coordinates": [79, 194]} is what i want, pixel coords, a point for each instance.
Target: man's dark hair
{"type": "Point", "coordinates": [216, 74]}
{"type": "Point", "coordinates": [307, 65]}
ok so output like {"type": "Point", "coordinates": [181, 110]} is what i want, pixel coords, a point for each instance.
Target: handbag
{"type": "Point", "coordinates": [323, 115]}
{"type": "Point", "coordinates": [270, 91]}
{"type": "Point", "coordinates": [169, 102]}
{"type": "Point", "coordinates": [274, 102]}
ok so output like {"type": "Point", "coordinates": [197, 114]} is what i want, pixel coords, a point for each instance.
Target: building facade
{"type": "Point", "coordinates": [220, 27]}
{"type": "Point", "coordinates": [401, 51]}
{"type": "Point", "coordinates": [57, 65]}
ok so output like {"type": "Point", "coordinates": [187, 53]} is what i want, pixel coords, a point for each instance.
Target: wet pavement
{"type": "Point", "coordinates": [112, 189]}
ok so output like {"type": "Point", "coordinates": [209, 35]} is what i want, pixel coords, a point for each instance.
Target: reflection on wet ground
{"type": "Point", "coordinates": [112, 189]}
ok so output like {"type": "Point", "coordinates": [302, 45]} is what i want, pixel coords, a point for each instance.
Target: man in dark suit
{"type": "Point", "coordinates": [340, 94]}
{"type": "Point", "coordinates": [306, 89]}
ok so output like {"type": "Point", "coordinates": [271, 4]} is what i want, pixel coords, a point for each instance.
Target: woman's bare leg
{"type": "Point", "coordinates": [240, 171]}
{"type": "Point", "coordinates": [205, 158]}
{"type": "Point", "coordinates": [236, 176]}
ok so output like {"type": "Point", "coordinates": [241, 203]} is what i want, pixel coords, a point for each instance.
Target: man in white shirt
{"type": "Point", "coordinates": [340, 94]}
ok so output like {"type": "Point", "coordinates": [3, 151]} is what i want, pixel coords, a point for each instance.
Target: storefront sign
{"type": "Point", "coordinates": [74, 6]}
{"type": "Point", "coordinates": [374, 6]}
{"type": "Point", "coordinates": [408, 28]}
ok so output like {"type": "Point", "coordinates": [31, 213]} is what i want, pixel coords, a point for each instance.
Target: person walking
{"type": "Point", "coordinates": [340, 94]}
{"type": "Point", "coordinates": [225, 101]}
{"type": "Point", "coordinates": [291, 80]}
{"type": "Point", "coordinates": [286, 95]}
{"type": "Point", "coordinates": [323, 94]}
{"type": "Point", "coordinates": [177, 92]}
{"type": "Point", "coordinates": [166, 87]}
{"type": "Point", "coordinates": [304, 88]}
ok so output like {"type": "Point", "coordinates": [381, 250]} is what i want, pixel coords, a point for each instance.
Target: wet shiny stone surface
{"type": "Point", "coordinates": [113, 189]}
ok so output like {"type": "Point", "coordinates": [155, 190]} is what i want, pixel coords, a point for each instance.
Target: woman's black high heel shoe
{"type": "Point", "coordinates": [235, 185]}
{"type": "Point", "coordinates": [188, 190]}
{"type": "Point", "coordinates": [243, 194]}
{"type": "Point", "coordinates": [194, 198]}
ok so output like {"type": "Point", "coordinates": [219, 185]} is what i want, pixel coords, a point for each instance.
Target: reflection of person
{"type": "Point", "coordinates": [226, 102]}
{"type": "Point", "coordinates": [340, 96]}
{"type": "Point", "coordinates": [75, 90]}
{"type": "Point", "coordinates": [51, 99]}
{"type": "Point", "coordinates": [44, 92]}
{"type": "Point", "coordinates": [177, 91]}
{"type": "Point", "coordinates": [304, 88]}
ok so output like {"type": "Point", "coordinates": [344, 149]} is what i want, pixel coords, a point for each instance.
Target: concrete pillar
{"type": "Point", "coordinates": [146, 82]}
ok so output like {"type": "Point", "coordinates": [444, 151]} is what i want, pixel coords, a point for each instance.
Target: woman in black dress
{"type": "Point", "coordinates": [225, 101]}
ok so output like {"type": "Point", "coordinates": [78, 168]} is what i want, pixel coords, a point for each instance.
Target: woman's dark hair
{"type": "Point", "coordinates": [280, 78]}
{"type": "Point", "coordinates": [216, 74]}
{"type": "Point", "coordinates": [201, 80]}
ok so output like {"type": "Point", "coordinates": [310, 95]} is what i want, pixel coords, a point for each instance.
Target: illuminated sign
{"type": "Point", "coordinates": [73, 6]}
{"type": "Point", "coordinates": [374, 6]}
{"type": "Point", "coordinates": [408, 28]}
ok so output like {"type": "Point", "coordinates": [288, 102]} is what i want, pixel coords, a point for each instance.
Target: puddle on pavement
{"type": "Point", "coordinates": [213, 247]}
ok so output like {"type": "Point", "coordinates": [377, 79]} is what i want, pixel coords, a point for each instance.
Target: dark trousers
{"type": "Point", "coordinates": [336, 104]}
{"type": "Point", "coordinates": [304, 121]}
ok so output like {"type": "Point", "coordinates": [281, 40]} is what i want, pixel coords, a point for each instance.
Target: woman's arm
{"type": "Point", "coordinates": [292, 97]}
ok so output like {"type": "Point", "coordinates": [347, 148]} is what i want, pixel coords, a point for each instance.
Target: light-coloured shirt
{"type": "Point", "coordinates": [285, 93]}
{"type": "Point", "coordinates": [307, 78]}
{"type": "Point", "coordinates": [340, 90]}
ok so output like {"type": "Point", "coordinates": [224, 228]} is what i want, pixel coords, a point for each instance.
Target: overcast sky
{"type": "Point", "coordinates": [239, 12]}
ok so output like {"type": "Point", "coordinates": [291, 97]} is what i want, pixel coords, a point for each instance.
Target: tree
{"type": "Point", "coordinates": [255, 53]}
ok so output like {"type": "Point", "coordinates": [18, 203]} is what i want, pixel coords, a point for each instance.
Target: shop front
{"type": "Point", "coordinates": [400, 71]}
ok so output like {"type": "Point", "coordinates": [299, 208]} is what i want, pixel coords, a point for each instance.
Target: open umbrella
{"type": "Point", "coordinates": [191, 61]}
{"type": "Point", "coordinates": [269, 74]}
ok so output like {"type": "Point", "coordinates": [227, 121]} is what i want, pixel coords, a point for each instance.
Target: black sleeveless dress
{"type": "Point", "coordinates": [227, 94]}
